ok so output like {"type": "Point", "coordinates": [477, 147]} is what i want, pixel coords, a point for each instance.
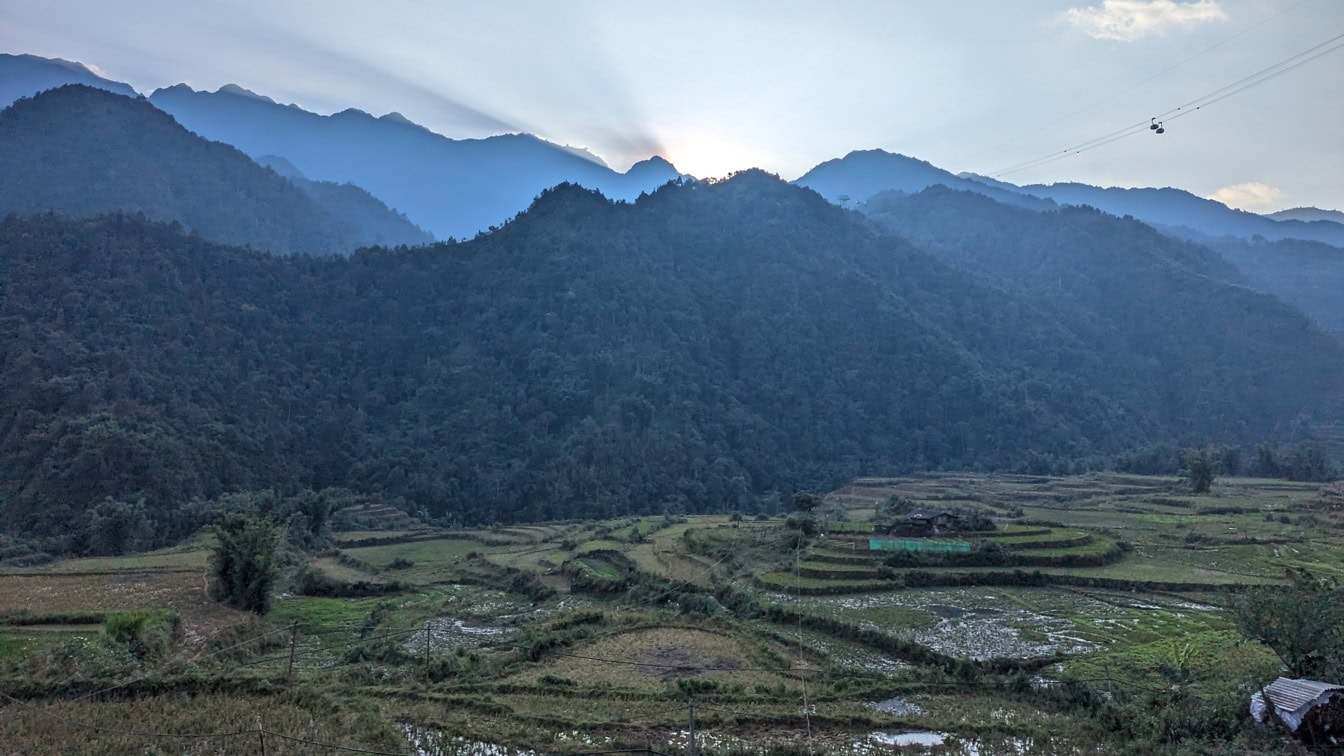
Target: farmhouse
{"type": "Point", "coordinates": [921, 521]}
{"type": "Point", "coordinates": [932, 518]}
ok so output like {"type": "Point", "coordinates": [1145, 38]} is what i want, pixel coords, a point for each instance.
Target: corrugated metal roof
{"type": "Point", "coordinates": [1291, 695]}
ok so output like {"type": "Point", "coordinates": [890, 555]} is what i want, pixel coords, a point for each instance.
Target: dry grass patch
{"type": "Point", "coordinates": [656, 657]}
{"type": "Point", "coordinates": [183, 592]}
{"type": "Point", "coordinates": [170, 724]}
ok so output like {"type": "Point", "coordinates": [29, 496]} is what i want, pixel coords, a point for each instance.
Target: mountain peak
{"type": "Point", "coordinates": [354, 113]}
{"type": "Point", "coordinates": [398, 118]}
{"type": "Point", "coordinates": [655, 166]}
{"type": "Point", "coordinates": [174, 89]}
{"type": "Point", "coordinates": [238, 91]}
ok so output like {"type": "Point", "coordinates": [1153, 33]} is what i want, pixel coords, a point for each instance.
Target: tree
{"type": "Point", "coordinates": [1303, 623]}
{"type": "Point", "coordinates": [118, 527]}
{"type": "Point", "coordinates": [1199, 471]}
{"type": "Point", "coordinates": [243, 563]}
{"type": "Point", "coordinates": [806, 502]}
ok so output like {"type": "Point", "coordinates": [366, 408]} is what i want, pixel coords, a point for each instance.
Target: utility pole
{"type": "Point", "coordinates": [427, 641]}
{"type": "Point", "coordinates": [261, 735]}
{"type": "Point", "coordinates": [691, 749]}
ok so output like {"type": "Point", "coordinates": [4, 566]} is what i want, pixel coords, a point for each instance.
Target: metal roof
{"type": "Point", "coordinates": [1290, 695]}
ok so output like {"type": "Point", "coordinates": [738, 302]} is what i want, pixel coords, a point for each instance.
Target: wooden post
{"type": "Point", "coordinates": [427, 641]}
{"type": "Point", "coordinates": [261, 735]}
{"type": "Point", "coordinates": [293, 643]}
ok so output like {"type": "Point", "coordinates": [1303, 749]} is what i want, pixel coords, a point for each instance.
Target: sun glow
{"type": "Point", "coordinates": [707, 154]}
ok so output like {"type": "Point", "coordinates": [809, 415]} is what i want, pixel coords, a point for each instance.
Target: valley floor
{"type": "Point", "coordinates": [1106, 598]}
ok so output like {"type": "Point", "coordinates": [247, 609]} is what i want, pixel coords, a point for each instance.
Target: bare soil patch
{"type": "Point", "coordinates": [675, 662]}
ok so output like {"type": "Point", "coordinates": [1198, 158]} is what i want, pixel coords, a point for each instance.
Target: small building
{"type": "Point", "coordinates": [936, 519]}
{"type": "Point", "coordinates": [1313, 711]}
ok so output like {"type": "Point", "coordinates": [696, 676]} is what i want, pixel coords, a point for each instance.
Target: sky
{"type": "Point", "coordinates": [1003, 89]}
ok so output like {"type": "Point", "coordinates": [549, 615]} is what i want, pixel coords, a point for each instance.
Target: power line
{"type": "Point", "coordinates": [1280, 68]}
{"type": "Point", "coordinates": [1255, 80]}
{"type": "Point", "coordinates": [1141, 82]}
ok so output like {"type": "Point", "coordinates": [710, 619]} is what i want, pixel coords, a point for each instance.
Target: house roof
{"type": "Point", "coordinates": [1291, 695]}
{"type": "Point", "coordinates": [920, 513]}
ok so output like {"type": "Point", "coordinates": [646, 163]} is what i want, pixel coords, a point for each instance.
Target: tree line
{"type": "Point", "coordinates": [707, 348]}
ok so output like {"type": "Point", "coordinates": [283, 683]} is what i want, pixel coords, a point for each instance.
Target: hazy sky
{"type": "Point", "coordinates": [969, 85]}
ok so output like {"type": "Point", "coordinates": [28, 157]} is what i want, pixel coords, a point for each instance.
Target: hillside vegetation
{"type": "Point", "coordinates": [710, 347]}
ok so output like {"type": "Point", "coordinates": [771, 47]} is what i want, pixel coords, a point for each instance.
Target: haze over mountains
{"type": "Point", "coordinates": [862, 174]}
{"type": "Point", "coordinates": [452, 188]}
{"type": "Point", "coordinates": [460, 187]}
{"type": "Point", "coordinates": [82, 151]}
{"type": "Point", "coordinates": [704, 346]}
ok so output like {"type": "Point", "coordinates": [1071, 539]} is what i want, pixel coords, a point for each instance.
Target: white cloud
{"type": "Point", "coordinates": [1252, 196]}
{"type": "Point", "coordinates": [1128, 20]}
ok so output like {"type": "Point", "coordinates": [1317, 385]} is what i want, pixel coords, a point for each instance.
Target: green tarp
{"type": "Point", "coordinates": [919, 544]}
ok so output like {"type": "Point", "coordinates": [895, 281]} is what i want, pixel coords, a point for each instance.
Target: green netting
{"type": "Point", "coordinates": [919, 544]}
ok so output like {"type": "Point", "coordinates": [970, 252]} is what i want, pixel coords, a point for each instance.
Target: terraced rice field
{"type": "Point", "coordinates": [488, 645]}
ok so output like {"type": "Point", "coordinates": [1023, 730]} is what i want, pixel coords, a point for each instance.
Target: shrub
{"type": "Point", "coordinates": [148, 633]}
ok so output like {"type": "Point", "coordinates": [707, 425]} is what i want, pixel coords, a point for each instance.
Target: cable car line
{"type": "Point", "coordinates": [1280, 68]}
{"type": "Point", "coordinates": [1141, 82]}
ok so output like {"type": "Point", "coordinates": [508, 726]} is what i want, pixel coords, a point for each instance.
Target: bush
{"type": "Point", "coordinates": [148, 633]}
{"type": "Point", "coordinates": [313, 582]}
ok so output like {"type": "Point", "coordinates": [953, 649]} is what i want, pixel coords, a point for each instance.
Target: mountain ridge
{"type": "Point", "coordinates": [862, 174]}
{"type": "Point", "coordinates": [82, 150]}
{"type": "Point", "coordinates": [451, 187]}
{"type": "Point", "coordinates": [703, 348]}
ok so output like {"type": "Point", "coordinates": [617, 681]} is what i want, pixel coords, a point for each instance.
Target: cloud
{"type": "Point", "coordinates": [1252, 195]}
{"type": "Point", "coordinates": [1129, 20]}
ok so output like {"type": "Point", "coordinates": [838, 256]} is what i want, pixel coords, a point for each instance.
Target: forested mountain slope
{"type": "Point", "coordinates": [1308, 275]}
{"type": "Point", "coordinates": [707, 345]}
{"type": "Point", "coordinates": [79, 151]}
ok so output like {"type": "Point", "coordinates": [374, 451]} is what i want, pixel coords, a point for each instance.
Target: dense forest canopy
{"type": "Point", "coordinates": [705, 348]}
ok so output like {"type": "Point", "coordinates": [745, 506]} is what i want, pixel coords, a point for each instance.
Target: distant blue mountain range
{"type": "Point", "coordinates": [859, 176]}
{"type": "Point", "coordinates": [456, 188]}
{"type": "Point", "coordinates": [450, 187]}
